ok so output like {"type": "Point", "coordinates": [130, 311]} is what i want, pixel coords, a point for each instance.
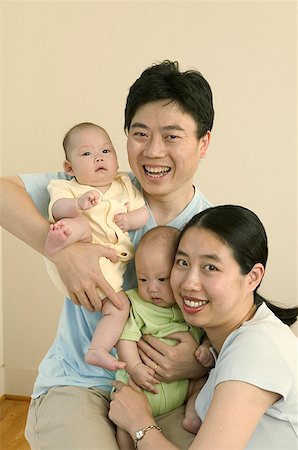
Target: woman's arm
{"type": "Point", "coordinates": [77, 264]}
{"type": "Point", "coordinates": [233, 415]}
{"type": "Point", "coordinates": [174, 362]}
{"type": "Point", "coordinates": [131, 411]}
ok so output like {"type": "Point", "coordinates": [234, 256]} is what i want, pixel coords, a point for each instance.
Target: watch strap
{"type": "Point", "coordinates": [141, 433]}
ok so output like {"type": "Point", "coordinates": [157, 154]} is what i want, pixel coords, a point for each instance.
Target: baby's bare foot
{"type": "Point", "coordinates": [102, 358]}
{"type": "Point", "coordinates": [192, 423]}
{"type": "Point", "coordinates": [57, 237]}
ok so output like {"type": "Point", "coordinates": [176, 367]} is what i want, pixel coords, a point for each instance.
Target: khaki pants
{"type": "Point", "coordinates": [75, 418]}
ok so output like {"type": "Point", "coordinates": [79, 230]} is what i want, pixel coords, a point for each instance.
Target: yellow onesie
{"type": "Point", "coordinates": [122, 196]}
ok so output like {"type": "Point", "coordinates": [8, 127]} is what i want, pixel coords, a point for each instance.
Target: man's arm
{"type": "Point", "coordinates": [77, 265]}
{"type": "Point", "coordinates": [174, 362]}
{"type": "Point", "coordinates": [19, 216]}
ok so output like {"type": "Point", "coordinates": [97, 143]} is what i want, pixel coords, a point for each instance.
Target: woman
{"type": "Point", "coordinates": [250, 398]}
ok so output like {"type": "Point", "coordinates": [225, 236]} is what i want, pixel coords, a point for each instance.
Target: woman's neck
{"type": "Point", "coordinates": [165, 208]}
{"type": "Point", "coordinates": [218, 335]}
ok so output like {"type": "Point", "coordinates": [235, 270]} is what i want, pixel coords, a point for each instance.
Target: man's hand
{"type": "Point", "coordinates": [78, 267]}
{"type": "Point", "coordinates": [171, 363]}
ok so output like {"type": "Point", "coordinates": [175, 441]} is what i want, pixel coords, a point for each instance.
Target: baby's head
{"type": "Point", "coordinates": [90, 155]}
{"type": "Point", "coordinates": [154, 261]}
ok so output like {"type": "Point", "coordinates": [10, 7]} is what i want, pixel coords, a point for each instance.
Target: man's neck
{"type": "Point", "coordinates": [167, 207]}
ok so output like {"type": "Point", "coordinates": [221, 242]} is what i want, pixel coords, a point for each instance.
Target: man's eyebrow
{"type": "Point", "coordinates": [173, 127]}
{"type": "Point", "coordinates": [166, 127]}
{"type": "Point", "coordinates": [138, 125]}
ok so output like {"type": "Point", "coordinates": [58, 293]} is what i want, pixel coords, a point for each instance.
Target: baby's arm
{"type": "Point", "coordinates": [204, 355]}
{"type": "Point", "coordinates": [72, 207]}
{"type": "Point", "coordinates": [132, 220]}
{"type": "Point", "coordinates": [141, 374]}
{"type": "Point", "coordinates": [70, 226]}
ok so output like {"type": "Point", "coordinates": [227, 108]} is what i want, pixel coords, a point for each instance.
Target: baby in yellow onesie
{"type": "Point", "coordinates": [99, 204]}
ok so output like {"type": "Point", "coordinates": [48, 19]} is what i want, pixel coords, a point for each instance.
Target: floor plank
{"type": "Point", "coordinates": [13, 415]}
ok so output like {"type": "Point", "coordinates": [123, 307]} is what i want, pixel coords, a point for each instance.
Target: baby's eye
{"type": "Point", "coordinates": [142, 280]}
{"type": "Point", "coordinates": [161, 279]}
{"type": "Point", "coordinates": [87, 154]}
{"type": "Point", "coordinates": [106, 150]}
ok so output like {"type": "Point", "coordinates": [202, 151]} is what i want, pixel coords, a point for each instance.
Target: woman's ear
{"type": "Point", "coordinates": [68, 167]}
{"type": "Point", "coordinates": [255, 276]}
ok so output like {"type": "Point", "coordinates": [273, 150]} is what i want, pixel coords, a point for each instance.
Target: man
{"type": "Point", "coordinates": [168, 120]}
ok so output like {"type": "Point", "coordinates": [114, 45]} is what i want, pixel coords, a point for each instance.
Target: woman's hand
{"type": "Point", "coordinates": [81, 274]}
{"type": "Point", "coordinates": [130, 408]}
{"type": "Point", "coordinates": [171, 363]}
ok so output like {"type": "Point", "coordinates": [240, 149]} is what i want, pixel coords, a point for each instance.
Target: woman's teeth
{"type": "Point", "coordinates": [193, 304]}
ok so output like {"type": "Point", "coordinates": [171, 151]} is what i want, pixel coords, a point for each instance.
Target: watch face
{"type": "Point", "coordinates": [139, 434]}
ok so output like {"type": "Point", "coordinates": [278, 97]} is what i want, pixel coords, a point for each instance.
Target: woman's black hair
{"type": "Point", "coordinates": [245, 235]}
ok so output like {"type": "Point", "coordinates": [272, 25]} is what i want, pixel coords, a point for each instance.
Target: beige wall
{"type": "Point", "coordinates": [65, 62]}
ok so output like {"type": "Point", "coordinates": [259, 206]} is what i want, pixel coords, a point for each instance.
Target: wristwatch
{"type": "Point", "coordinates": [141, 433]}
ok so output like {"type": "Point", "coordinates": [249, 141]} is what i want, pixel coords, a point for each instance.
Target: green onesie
{"type": "Point", "coordinates": [147, 318]}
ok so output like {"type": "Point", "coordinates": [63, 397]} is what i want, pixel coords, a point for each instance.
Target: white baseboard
{"type": "Point", "coordinates": [19, 381]}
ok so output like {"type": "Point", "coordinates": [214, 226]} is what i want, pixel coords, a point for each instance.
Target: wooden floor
{"type": "Point", "coordinates": [13, 415]}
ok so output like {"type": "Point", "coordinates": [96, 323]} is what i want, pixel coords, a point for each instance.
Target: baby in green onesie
{"type": "Point", "coordinates": [154, 311]}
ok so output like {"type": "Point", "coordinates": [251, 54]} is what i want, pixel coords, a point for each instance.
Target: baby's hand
{"type": "Point", "coordinates": [204, 356]}
{"type": "Point", "coordinates": [143, 376]}
{"type": "Point", "coordinates": [88, 200]}
{"type": "Point", "coordinates": [121, 220]}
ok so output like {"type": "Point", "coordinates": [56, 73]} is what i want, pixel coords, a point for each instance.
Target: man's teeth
{"type": "Point", "coordinates": [193, 304]}
{"type": "Point", "coordinates": [157, 170]}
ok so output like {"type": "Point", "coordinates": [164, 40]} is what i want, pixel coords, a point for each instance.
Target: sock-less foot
{"type": "Point", "coordinates": [57, 237]}
{"type": "Point", "coordinates": [192, 424]}
{"type": "Point", "coordinates": [102, 358]}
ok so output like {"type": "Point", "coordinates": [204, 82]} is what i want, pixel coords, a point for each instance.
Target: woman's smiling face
{"type": "Point", "coordinates": [206, 280]}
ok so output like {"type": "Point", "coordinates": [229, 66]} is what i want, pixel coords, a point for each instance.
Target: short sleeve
{"type": "Point", "coordinates": [58, 189]}
{"type": "Point", "coordinates": [36, 186]}
{"type": "Point", "coordinates": [132, 327]}
{"type": "Point", "coordinates": [135, 198]}
{"type": "Point", "coordinates": [243, 360]}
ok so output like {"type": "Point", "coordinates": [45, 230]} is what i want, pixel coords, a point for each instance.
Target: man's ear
{"type": "Point", "coordinates": [203, 144]}
{"type": "Point", "coordinates": [68, 167]}
{"type": "Point", "coordinates": [255, 276]}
